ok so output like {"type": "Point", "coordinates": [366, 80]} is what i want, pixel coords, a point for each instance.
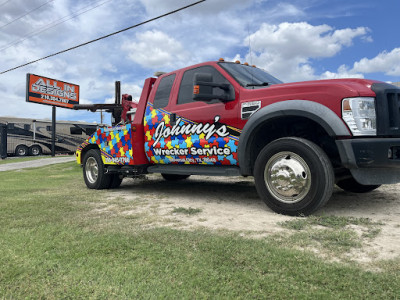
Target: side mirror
{"type": "Point", "coordinates": [203, 88]}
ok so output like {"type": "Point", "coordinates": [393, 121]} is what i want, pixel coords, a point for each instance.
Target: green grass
{"type": "Point", "coordinates": [186, 211]}
{"type": "Point", "coordinates": [54, 245]}
{"type": "Point", "coordinates": [333, 235]}
{"type": "Point", "coordinates": [335, 222]}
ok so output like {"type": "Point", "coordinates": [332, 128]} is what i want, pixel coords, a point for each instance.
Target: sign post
{"type": "Point", "coordinates": [53, 131]}
{"type": "Point", "coordinates": [47, 91]}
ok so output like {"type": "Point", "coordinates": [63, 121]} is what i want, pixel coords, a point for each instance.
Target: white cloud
{"type": "Point", "coordinates": [132, 89]}
{"type": "Point", "coordinates": [157, 7]}
{"type": "Point", "coordinates": [303, 39]}
{"type": "Point", "coordinates": [285, 10]}
{"type": "Point", "coordinates": [286, 49]}
{"type": "Point", "coordinates": [386, 62]}
{"type": "Point", "coordinates": [155, 49]}
{"type": "Point", "coordinates": [342, 72]}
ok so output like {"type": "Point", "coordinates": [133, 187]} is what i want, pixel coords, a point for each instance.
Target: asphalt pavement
{"type": "Point", "coordinates": [36, 163]}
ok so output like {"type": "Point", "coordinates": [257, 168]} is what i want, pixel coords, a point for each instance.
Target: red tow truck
{"type": "Point", "coordinates": [231, 119]}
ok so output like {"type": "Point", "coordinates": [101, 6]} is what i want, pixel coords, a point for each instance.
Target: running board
{"type": "Point", "coordinates": [195, 170]}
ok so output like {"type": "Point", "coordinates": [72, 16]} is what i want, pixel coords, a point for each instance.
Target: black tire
{"type": "Point", "coordinates": [351, 185]}
{"type": "Point", "coordinates": [93, 171]}
{"type": "Point", "coordinates": [115, 181]}
{"type": "Point", "coordinates": [35, 150]}
{"type": "Point", "coordinates": [174, 177]}
{"type": "Point", "coordinates": [21, 150]}
{"type": "Point", "coordinates": [293, 176]}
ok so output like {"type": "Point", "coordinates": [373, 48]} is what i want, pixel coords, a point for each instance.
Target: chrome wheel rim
{"type": "Point", "coordinates": [21, 151]}
{"type": "Point", "coordinates": [35, 151]}
{"type": "Point", "coordinates": [92, 169]}
{"type": "Point", "coordinates": [287, 177]}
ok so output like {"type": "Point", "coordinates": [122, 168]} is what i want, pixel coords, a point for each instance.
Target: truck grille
{"type": "Point", "coordinates": [387, 109]}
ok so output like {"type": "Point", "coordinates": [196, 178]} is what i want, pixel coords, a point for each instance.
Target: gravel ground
{"type": "Point", "coordinates": [232, 203]}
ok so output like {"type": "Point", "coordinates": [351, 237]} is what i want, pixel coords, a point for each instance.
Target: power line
{"type": "Point", "coordinates": [20, 17]}
{"type": "Point", "coordinates": [105, 36]}
{"type": "Point", "coordinates": [4, 3]}
{"type": "Point", "coordinates": [54, 24]}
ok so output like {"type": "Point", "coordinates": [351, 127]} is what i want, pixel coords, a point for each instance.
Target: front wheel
{"type": "Point", "coordinates": [293, 176]}
{"type": "Point", "coordinates": [351, 185]}
{"type": "Point", "coordinates": [93, 171]}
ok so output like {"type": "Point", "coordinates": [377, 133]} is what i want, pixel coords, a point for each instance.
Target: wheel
{"type": "Point", "coordinates": [93, 171]}
{"type": "Point", "coordinates": [35, 150]}
{"type": "Point", "coordinates": [174, 177]}
{"type": "Point", "coordinates": [293, 176]}
{"type": "Point", "coordinates": [115, 181]}
{"type": "Point", "coordinates": [351, 185]}
{"type": "Point", "coordinates": [21, 150]}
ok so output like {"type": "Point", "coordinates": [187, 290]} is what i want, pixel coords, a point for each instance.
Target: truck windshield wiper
{"type": "Point", "coordinates": [258, 84]}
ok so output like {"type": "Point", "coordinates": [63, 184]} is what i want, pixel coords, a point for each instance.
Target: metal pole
{"type": "Point", "coordinates": [118, 92]}
{"type": "Point", "coordinates": [53, 131]}
{"type": "Point", "coordinates": [3, 141]}
{"type": "Point", "coordinates": [34, 130]}
{"type": "Point", "coordinates": [116, 114]}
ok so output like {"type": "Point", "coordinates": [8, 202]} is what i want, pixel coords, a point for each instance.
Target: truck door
{"type": "Point", "coordinates": [185, 131]}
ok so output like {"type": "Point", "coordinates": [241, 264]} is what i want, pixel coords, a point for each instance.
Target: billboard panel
{"type": "Point", "coordinates": [49, 91]}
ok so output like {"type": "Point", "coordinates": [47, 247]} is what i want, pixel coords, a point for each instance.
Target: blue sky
{"type": "Point", "coordinates": [294, 40]}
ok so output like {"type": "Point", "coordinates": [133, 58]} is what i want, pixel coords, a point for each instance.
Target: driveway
{"type": "Point", "coordinates": [36, 163]}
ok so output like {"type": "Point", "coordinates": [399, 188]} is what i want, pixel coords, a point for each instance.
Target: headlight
{"type": "Point", "coordinates": [359, 115]}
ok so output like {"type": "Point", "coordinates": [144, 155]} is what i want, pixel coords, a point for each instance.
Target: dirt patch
{"type": "Point", "coordinates": [232, 203]}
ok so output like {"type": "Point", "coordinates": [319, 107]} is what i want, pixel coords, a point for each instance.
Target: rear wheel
{"type": "Point", "coordinates": [351, 185]}
{"type": "Point", "coordinates": [21, 150]}
{"type": "Point", "coordinates": [35, 150]}
{"type": "Point", "coordinates": [93, 171]}
{"type": "Point", "coordinates": [293, 176]}
{"type": "Point", "coordinates": [174, 177]}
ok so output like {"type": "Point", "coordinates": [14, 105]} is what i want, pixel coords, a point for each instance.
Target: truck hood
{"type": "Point", "coordinates": [327, 92]}
{"type": "Point", "coordinates": [351, 87]}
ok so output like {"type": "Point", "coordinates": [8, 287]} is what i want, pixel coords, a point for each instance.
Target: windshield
{"type": "Point", "coordinates": [248, 76]}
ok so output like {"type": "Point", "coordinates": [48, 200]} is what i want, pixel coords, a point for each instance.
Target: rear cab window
{"type": "Point", "coordinates": [161, 98]}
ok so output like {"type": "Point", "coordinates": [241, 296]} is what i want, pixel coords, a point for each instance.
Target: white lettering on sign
{"type": "Point", "coordinates": [46, 87]}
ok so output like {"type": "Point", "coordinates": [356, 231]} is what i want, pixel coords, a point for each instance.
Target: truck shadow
{"type": "Point", "coordinates": [379, 203]}
{"type": "Point", "coordinates": [220, 189]}
{"type": "Point", "coordinates": [241, 191]}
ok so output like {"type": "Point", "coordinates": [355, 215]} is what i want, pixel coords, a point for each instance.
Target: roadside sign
{"type": "Point", "coordinates": [49, 91]}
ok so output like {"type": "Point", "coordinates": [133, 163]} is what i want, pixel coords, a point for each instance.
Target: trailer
{"type": "Point", "coordinates": [33, 137]}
